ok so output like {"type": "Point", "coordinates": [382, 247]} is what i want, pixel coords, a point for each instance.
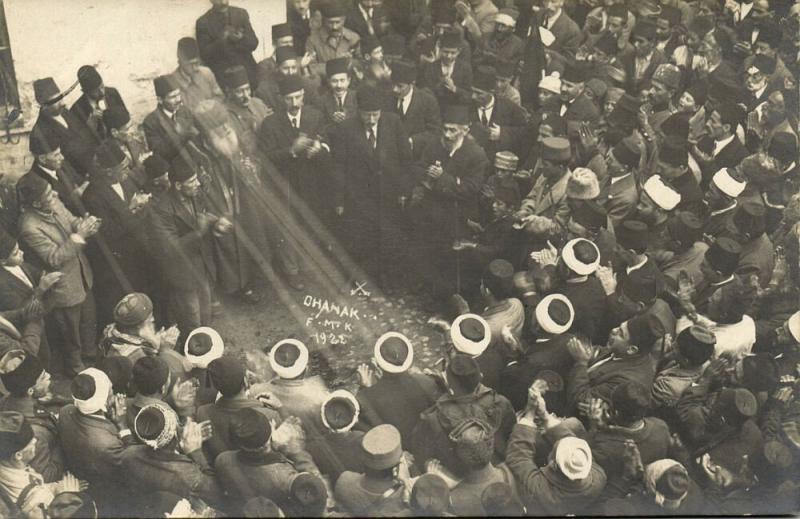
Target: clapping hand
{"type": "Point", "coordinates": [184, 394]}
{"type": "Point", "coordinates": [449, 84]}
{"type": "Point", "coordinates": [596, 410]}
{"type": "Point", "coordinates": [69, 483]}
{"type": "Point", "coordinates": [544, 257]}
{"type": "Point", "coordinates": [633, 468]}
{"type": "Point", "coordinates": [366, 376]}
{"type": "Point", "coordinates": [191, 437]}
{"type": "Point", "coordinates": [48, 280]}
{"type": "Point", "coordinates": [169, 337]}
{"type": "Point", "coordinates": [435, 171]}
{"type": "Point", "coordinates": [269, 399]}
{"type": "Point", "coordinates": [580, 350]}
{"type": "Point", "coordinates": [494, 132]}
{"type": "Point", "coordinates": [607, 278]}
{"type": "Point", "coordinates": [119, 410]}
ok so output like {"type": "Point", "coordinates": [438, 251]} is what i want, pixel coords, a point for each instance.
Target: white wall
{"type": "Point", "coordinates": [129, 41]}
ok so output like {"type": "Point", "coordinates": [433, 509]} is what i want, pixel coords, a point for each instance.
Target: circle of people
{"type": "Point", "coordinates": [601, 197]}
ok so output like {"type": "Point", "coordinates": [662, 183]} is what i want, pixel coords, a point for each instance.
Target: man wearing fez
{"type": "Point", "coordinates": [27, 380]}
{"type": "Point", "coordinates": [247, 112]}
{"type": "Point", "coordinates": [496, 122]}
{"type": "Point", "coordinates": [450, 78]}
{"type": "Point", "coordinates": [332, 39]}
{"type": "Point", "coordinates": [450, 173]}
{"type": "Point", "coordinates": [417, 108]}
{"type": "Point", "coordinates": [338, 102]}
{"type": "Point", "coordinates": [125, 134]}
{"type": "Point", "coordinates": [54, 117]}
{"type": "Point", "coordinates": [58, 239]}
{"type": "Point", "coordinates": [96, 99]}
{"type": "Point", "coordinates": [372, 159]}
{"type": "Point", "coordinates": [157, 171]}
{"type": "Point", "coordinates": [196, 82]}
{"type": "Point", "coordinates": [183, 224]}
{"type": "Point", "coordinates": [225, 39]}
{"type": "Point", "coordinates": [50, 165]}
{"type": "Point", "coordinates": [23, 288]}
{"type": "Point", "coordinates": [288, 64]}
{"type": "Point", "coordinates": [115, 199]}
{"type": "Point", "coordinates": [169, 127]}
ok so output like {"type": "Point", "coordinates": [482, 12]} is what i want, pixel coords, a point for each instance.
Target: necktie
{"type": "Point", "coordinates": [371, 137]}
{"type": "Point", "coordinates": [400, 107]}
{"type": "Point", "coordinates": [295, 123]}
{"type": "Point", "coordinates": [484, 118]}
{"type": "Point", "coordinates": [340, 104]}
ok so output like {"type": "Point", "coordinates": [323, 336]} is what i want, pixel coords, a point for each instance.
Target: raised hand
{"type": "Point", "coordinates": [49, 279]}
{"type": "Point", "coordinates": [366, 376]}
{"type": "Point", "coordinates": [580, 351]}
{"type": "Point", "coordinates": [544, 257]}
{"type": "Point", "coordinates": [184, 394]}
{"type": "Point", "coordinates": [191, 437]}
{"type": "Point", "coordinates": [607, 278]}
{"type": "Point", "coordinates": [632, 467]}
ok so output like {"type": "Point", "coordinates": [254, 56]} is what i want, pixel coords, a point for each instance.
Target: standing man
{"type": "Point", "coordinates": [96, 99]}
{"type": "Point", "coordinates": [332, 39]}
{"type": "Point", "coordinates": [448, 77]}
{"type": "Point", "coordinates": [55, 118]}
{"type": "Point", "coordinates": [49, 165]}
{"type": "Point", "coordinates": [170, 126]}
{"type": "Point", "coordinates": [339, 100]}
{"type": "Point", "coordinates": [226, 39]}
{"type": "Point", "coordinates": [247, 112]}
{"type": "Point", "coordinates": [183, 227]}
{"type": "Point", "coordinates": [372, 158]}
{"type": "Point", "coordinates": [417, 108]}
{"type": "Point", "coordinates": [58, 238]}
{"type": "Point", "coordinates": [196, 82]}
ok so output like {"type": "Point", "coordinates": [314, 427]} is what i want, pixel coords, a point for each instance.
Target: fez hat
{"type": "Point", "coordinates": [89, 78]}
{"type": "Point", "coordinates": [235, 77]}
{"type": "Point", "coordinates": [46, 91]}
{"type": "Point", "coordinates": [484, 79]}
{"type": "Point", "coordinates": [403, 71]}
{"type": "Point", "coordinates": [723, 255]}
{"type": "Point", "coordinates": [696, 343]}
{"type": "Point", "coordinates": [632, 234]}
{"type": "Point", "coordinates": [337, 66]}
{"type": "Point", "coordinates": [155, 166]}
{"type": "Point", "coordinates": [290, 84]}
{"type": "Point", "coordinates": [455, 114]}
{"type": "Point", "coordinates": [188, 49]}
{"type": "Point", "coordinates": [227, 375]}
{"type": "Point", "coordinates": [115, 117]}
{"type": "Point", "coordinates": [164, 85]}
{"type": "Point", "coordinates": [369, 98]}
{"type": "Point", "coordinates": [24, 375]}
{"type": "Point", "coordinates": [249, 429]}
{"type": "Point", "coordinates": [15, 433]}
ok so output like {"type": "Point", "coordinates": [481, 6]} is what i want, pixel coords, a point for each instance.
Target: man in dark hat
{"type": "Point", "coordinates": [127, 135]}
{"type": "Point", "coordinates": [338, 101]}
{"type": "Point", "coordinates": [449, 77]}
{"type": "Point", "coordinates": [183, 226]}
{"type": "Point", "coordinates": [501, 43]}
{"type": "Point", "coordinates": [717, 268]}
{"type": "Point", "coordinates": [362, 18]}
{"type": "Point", "coordinates": [287, 63]}
{"type": "Point", "coordinates": [757, 81]}
{"type": "Point", "coordinates": [50, 164]}
{"type": "Point", "coordinates": [96, 99]}
{"type": "Point", "coordinates": [247, 112]}
{"type": "Point", "coordinates": [685, 233]}
{"type": "Point", "coordinates": [225, 39]}
{"type": "Point", "coordinates": [169, 127]}
{"type": "Point", "coordinates": [466, 398]}
{"type": "Point", "coordinates": [123, 262]}
{"type": "Point", "coordinates": [548, 197]}
{"type": "Point", "coordinates": [332, 39]}
{"type": "Point", "coordinates": [620, 193]}
{"type": "Point", "coordinates": [74, 137]}
{"type": "Point", "coordinates": [373, 143]}
{"type": "Point", "coordinates": [23, 292]}
{"type": "Point", "coordinates": [681, 367]}
{"type": "Point", "coordinates": [292, 138]}
{"type": "Point", "coordinates": [758, 253]}
{"type": "Point", "coordinates": [642, 62]}
{"type": "Point", "coordinates": [496, 123]}
{"type": "Point", "coordinates": [157, 171]}
{"type": "Point", "coordinates": [27, 380]}
{"type": "Point", "coordinates": [59, 238]}
{"type": "Point", "coordinates": [253, 467]}
{"type": "Point", "coordinates": [673, 166]}
{"type": "Point", "coordinates": [298, 17]}
{"type": "Point", "coordinates": [450, 173]}
{"type": "Point", "coordinates": [418, 108]}
{"type": "Point", "coordinates": [196, 82]}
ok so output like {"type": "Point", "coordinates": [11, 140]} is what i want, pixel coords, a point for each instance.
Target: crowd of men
{"type": "Point", "coordinates": [600, 197]}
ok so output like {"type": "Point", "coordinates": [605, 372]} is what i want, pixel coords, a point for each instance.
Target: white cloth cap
{"type": "Point", "coordinates": [727, 184]}
{"type": "Point", "coordinates": [574, 458]}
{"type": "Point", "coordinates": [663, 195]}
{"type": "Point", "coordinates": [217, 347]}
{"type": "Point", "coordinates": [386, 365]}
{"type": "Point", "coordinates": [344, 394]}
{"type": "Point", "coordinates": [551, 83]}
{"type": "Point", "coordinates": [546, 322]}
{"type": "Point", "coordinates": [295, 369]}
{"type": "Point", "coordinates": [466, 345]}
{"type": "Point", "coordinates": [99, 400]}
{"type": "Point", "coordinates": [576, 265]}
{"type": "Point", "coordinates": [505, 19]}
{"type": "Point", "coordinates": [794, 326]}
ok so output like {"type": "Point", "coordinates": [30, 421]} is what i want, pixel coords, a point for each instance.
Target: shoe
{"type": "Point", "coordinates": [250, 296]}
{"type": "Point", "coordinates": [295, 281]}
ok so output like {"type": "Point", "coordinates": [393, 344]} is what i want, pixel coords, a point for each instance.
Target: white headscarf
{"type": "Point", "coordinates": [102, 388]}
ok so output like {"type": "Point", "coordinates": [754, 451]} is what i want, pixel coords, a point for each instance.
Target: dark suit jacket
{"type": "Point", "coordinates": [730, 156]}
{"type": "Point", "coordinates": [431, 77]}
{"type": "Point", "coordinates": [185, 252]}
{"type": "Point", "coordinates": [65, 186]}
{"type": "Point", "coordinates": [77, 144]}
{"type": "Point", "coordinates": [691, 194]}
{"type": "Point", "coordinates": [162, 135]}
{"type": "Point", "coordinates": [628, 61]}
{"type": "Point", "coordinates": [568, 35]}
{"type": "Point", "coordinates": [14, 294]}
{"type": "Point", "coordinates": [218, 53]}
{"type": "Point", "coordinates": [221, 414]}
{"type": "Point", "coordinates": [600, 381]}
{"type": "Point", "coordinates": [81, 109]}
{"type": "Point", "coordinates": [301, 30]}
{"type": "Point", "coordinates": [511, 120]}
{"type": "Point", "coordinates": [370, 181]}
{"type": "Point", "coordinates": [422, 119]}
{"type": "Point", "coordinates": [620, 198]}
{"type": "Point", "coordinates": [357, 23]}
{"type": "Point", "coordinates": [329, 105]}
{"type": "Point", "coordinates": [582, 109]}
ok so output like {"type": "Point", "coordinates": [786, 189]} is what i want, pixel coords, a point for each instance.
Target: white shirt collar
{"type": "Point", "coordinates": [723, 282]}
{"type": "Point", "coordinates": [118, 190]}
{"type": "Point", "coordinates": [790, 166]}
{"type": "Point", "coordinates": [456, 147]}
{"type": "Point", "coordinates": [614, 180]}
{"type": "Point", "coordinates": [296, 116]}
{"type": "Point", "coordinates": [17, 272]}
{"type": "Point", "coordinates": [758, 93]}
{"type": "Point", "coordinates": [719, 145]}
{"type": "Point", "coordinates": [636, 267]}
{"type": "Point", "coordinates": [406, 99]}
{"type": "Point", "coordinates": [49, 171]}
{"type": "Point", "coordinates": [366, 13]}
{"type": "Point", "coordinates": [168, 113]}
{"type": "Point", "coordinates": [725, 210]}
{"type": "Point", "coordinates": [552, 19]}
{"type": "Point", "coordinates": [744, 10]}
